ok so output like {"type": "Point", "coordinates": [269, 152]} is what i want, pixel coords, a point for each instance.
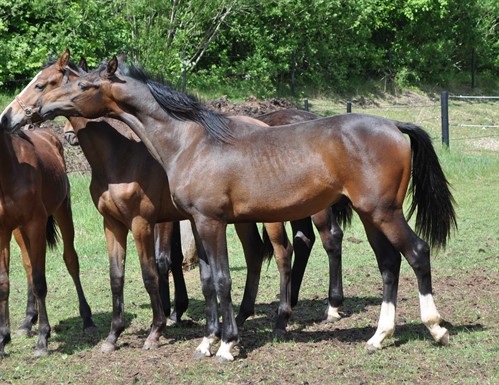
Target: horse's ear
{"type": "Point", "coordinates": [112, 66]}
{"type": "Point", "coordinates": [63, 60]}
{"type": "Point", "coordinates": [83, 64]}
{"type": "Point", "coordinates": [121, 57]}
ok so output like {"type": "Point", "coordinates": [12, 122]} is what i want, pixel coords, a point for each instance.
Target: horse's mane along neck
{"type": "Point", "coordinates": [183, 107]}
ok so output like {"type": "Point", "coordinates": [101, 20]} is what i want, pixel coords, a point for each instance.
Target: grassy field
{"type": "Point", "coordinates": [466, 283]}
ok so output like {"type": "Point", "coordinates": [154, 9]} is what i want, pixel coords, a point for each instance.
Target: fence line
{"type": "Point", "coordinates": [444, 113]}
{"type": "Point", "coordinates": [444, 103]}
{"type": "Point", "coordinates": [472, 97]}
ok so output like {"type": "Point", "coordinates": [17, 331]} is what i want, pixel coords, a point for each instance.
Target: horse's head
{"type": "Point", "coordinates": [89, 96]}
{"type": "Point", "coordinates": [23, 109]}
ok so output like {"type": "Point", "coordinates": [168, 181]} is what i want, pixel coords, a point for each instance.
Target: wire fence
{"type": "Point", "coordinates": [442, 119]}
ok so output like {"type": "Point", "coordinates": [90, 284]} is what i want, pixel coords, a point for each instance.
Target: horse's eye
{"type": "Point", "coordinates": [40, 86]}
{"type": "Point", "coordinates": [82, 86]}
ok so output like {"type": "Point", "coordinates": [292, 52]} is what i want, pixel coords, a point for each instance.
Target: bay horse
{"type": "Point", "coordinates": [224, 171]}
{"type": "Point", "coordinates": [130, 190]}
{"type": "Point", "coordinates": [34, 198]}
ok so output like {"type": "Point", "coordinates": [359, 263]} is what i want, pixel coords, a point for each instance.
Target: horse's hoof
{"type": "Point", "coordinates": [3, 354]}
{"type": "Point", "coordinates": [151, 345]}
{"type": "Point", "coordinates": [371, 348]}
{"type": "Point", "coordinates": [330, 320]}
{"type": "Point", "coordinates": [108, 347]}
{"type": "Point", "coordinates": [171, 322]}
{"type": "Point", "coordinates": [224, 359]}
{"type": "Point", "coordinates": [280, 334]}
{"type": "Point", "coordinates": [445, 339]}
{"type": "Point", "coordinates": [41, 352]}
{"type": "Point", "coordinates": [198, 355]}
{"type": "Point", "coordinates": [21, 332]}
{"type": "Point", "coordinates": [91, 331]}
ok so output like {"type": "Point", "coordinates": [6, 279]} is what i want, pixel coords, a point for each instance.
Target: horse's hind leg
{"type": "Point", "coordinates": [64, 218]}
{"type": "Point", "coordinates": [389, 266]}
{"type": "Point", "coordinates": [181, 298]}
{"type": "Point", "coordinates": [143, 233]}
{"type": "Point", "coordinates": [34, 235]}
{"type": "Point", "coordinates": [331, 237]}
{"type": "Point", "coordinates": [283, 253]}
{"type": "Point", "coordinates": [303, 240]}
{"type": "Point", "coordinates": [31, 311]}
{"type": "Point", "coordinates": [116, 234]}
{"type": "Point", "coordinates": [417, 253]}
{"type": "Point", "coordinates": [252, 247]}
{"type": "Point", "coordinates": [4, 290]}
{"type": "Point", "coordinates": [169, 257]}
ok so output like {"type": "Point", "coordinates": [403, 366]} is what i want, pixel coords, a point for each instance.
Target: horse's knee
{"type": "Point", "coordinates": [163, 263]}
{"type": "Point", "coordinates": [420, 258]}
{"type": "Point", "coordinates": [223, 285]}
{"type": "Point", "coordinates": [150, 280]}
{"type": "Point", "coordinates": [389, 278]}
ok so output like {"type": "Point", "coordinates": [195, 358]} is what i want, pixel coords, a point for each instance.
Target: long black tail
{"type": "Point", "coordinates": [429, 188]}
{"type": "Point", "coordinates": [343, 212]}
{"type": "Point", "coordinates": [52, 233]}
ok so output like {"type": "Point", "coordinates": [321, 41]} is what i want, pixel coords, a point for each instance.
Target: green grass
{"type": "Point", "coordinates": [466, 277]}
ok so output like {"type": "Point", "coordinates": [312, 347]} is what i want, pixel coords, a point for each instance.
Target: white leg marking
{"type": "Point", "coordinates": [333, 314]}
{"type": "Point", "coordinates": [386, 326]}
{"type": "Point", "coordinates": [431, 318]}
{"type": "Point", "coordinates": [205, 346]}
{"type": "Point", "coordinates": [224, 351]}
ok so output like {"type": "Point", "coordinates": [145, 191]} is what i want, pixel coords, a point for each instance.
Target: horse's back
{"type": "Point", "coordinates": [287, 116]}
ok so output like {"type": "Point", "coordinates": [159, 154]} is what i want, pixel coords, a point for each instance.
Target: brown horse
{"type": "Point", "coordinates": [130, 190]}
{"type": "Point", "coordinates": [245, 169]}
{"type": "Point", "coordinates": [34, 197]}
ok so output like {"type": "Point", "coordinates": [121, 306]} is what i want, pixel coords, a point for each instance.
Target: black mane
{"type": "Point", "coordinates": [71, 65]}
{"type": "Point", "coordinates": [182, 106]}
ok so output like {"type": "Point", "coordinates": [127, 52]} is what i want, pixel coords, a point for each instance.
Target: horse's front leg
{"type": "Point", "coordinates": [212, 234]}
{"type": "Point", "coordinates": [143, 234]}
{"type": "Point", "coordinates": [116, 234]}
{"type": "Point", "coordinates": [4, 290]}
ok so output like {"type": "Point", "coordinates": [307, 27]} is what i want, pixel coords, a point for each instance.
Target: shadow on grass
{"type": "Point", "coordinates": [257, 332]}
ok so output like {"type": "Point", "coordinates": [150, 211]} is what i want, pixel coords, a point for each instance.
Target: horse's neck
{"type": "Point", "coordinates": [100, 144]}
{"type": "Point", "coordinates": [159, 132]}
{"type": "Point", "coordinates": [7, 149]}
{"type": "Point", "coordinates": [10, 158]}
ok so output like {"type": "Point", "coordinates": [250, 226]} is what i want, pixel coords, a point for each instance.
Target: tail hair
{"type": "Point", "coordinates": [52, 232]}
{"type": "Point", "coordinates": [432, 199]}
{"type": "Point", "coordinates": [268, 249]}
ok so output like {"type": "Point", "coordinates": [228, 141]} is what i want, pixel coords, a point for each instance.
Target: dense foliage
{"type": "Point", "coordinates": [327, 45]}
